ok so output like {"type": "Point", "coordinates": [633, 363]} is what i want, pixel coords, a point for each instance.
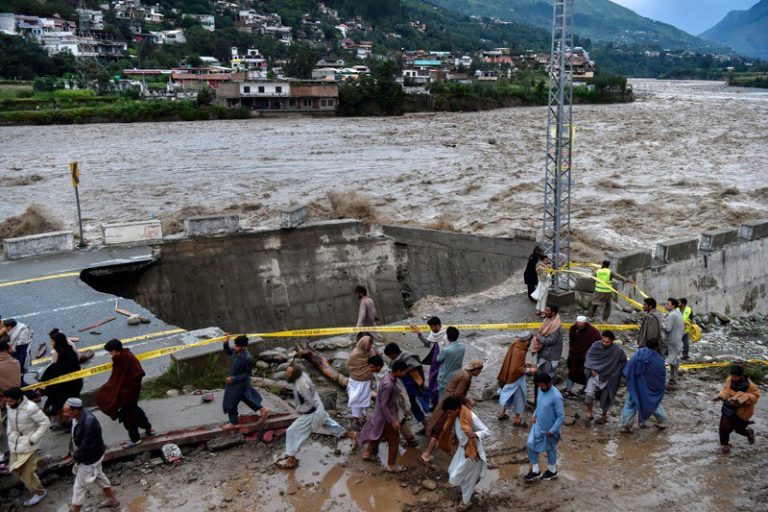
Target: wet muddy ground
{"type": "Point", "coordinates": [678, 468]}
{"type": "Point", "coordinates": [686, 157]}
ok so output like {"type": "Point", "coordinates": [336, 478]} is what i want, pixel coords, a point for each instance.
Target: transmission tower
{"type": "Point", "coordinates": [557, 188]}
{"type": "Point", "coordinates": [87, 62]}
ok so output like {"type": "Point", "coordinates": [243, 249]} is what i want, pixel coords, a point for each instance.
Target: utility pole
{"type": "Point", "coordinates": [557, 178]}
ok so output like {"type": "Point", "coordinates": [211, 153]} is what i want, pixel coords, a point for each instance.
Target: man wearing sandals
{"type": "Point", "coordinates": [312, 417]}
{"type": "Point", "coordinates": [87, 449]}
{"type": "Point", "coordinates": [511, 379]}
{"type": "Point", "coordinates": [604, 367]}
{"type": "Point", "coordinates": [383, 425]}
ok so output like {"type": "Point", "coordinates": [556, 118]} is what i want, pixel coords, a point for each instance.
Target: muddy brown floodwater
{"type": "Point", "coordinates": [686, 156]}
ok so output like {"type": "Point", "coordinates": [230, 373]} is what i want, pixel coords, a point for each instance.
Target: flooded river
{"type": "Point", "coordinates": [686, 156]}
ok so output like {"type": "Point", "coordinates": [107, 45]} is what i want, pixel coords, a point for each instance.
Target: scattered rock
{"type": "Point", "coordinates": [724, 319]}
{"type": "Point", "coordinates": [173, 392]}
{"type": "Point", "coordinates": [328, 397]}
{"type": "Point", "coordinates": [430, 485]}
{"type": "Point", "coordinates": [228, 499]}
{"type": "Point", "coordinates": [569, 421]}
{"type": "Point", "coordinates": [133, 320]}
{"type": "Point", "coordinates": [279, 376]}
{"type": "Point", "coordinates": [282, 367]}
{"type": "Point", "coordinates": [273, 356]}
{"type": "Point", "coordinates": [262, 365]}
{"type": "Point", "coordinates": [491, 141]}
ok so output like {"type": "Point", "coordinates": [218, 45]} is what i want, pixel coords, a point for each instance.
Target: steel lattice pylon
{"type": "Point", "coordinates": [557, 188]}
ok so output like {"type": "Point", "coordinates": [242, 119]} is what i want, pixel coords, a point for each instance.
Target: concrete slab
{"type": "Point", "coordinates": [754, 229]}
{"type": "Point", "coordinates": [717, 239]}
{"type": "Point", "coordinates": [632, 261]}
{"type": "Point", "coordinates": [210, 225]}
{"type": "Point", "coordinates": [181, 420]}
{"type": "Point", "coordinates": [38, 245]}
{"type": "Point", "coordinates": [676, 250]}
{"type": "Point", "coordinates": [131, 232]}
{"type": "Point", "coordinates": [293, 218]}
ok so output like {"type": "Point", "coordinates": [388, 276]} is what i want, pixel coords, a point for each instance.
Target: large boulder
{"type": "Point", "coordinates": [273, 356]}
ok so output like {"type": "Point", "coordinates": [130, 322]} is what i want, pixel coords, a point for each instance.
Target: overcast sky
{"type": "Point", "coordinates": [694, 16]}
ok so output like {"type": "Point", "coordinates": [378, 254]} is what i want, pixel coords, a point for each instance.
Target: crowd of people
{"type": "Point", "coordinates": [438, 401]}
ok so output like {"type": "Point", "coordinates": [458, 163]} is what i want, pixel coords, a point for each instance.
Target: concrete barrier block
{"type": "Point", "coordinates": [209, 225]}
{"type": "Point", "coordinates": [290, 219]}
{"type": "Point", "coordinates": [632, 261]}
{"type": "Point", "coordinates": [38, 245]}
{"type": "Point", "coordinates": [754, 229]}
{"type": "Point", "coordinates": [129, 232]}
{"type": "Point", "coordinates": [678, 249]}
{"type": "Point", "coordinates": [718, 238]}
{"type": "Point", "coordinates": [522, 234]}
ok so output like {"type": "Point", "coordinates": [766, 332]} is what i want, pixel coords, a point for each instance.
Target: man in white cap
{"type": "Point", "coordinates": [87, 450]}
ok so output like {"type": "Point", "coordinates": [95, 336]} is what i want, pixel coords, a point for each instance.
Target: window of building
{"type": "Point", "coordinates": [261, 89]}
{"type": "Point", "coordinates": [278, 89]}
{"type": "Point", "coordinates": [246, 89]}
{"type": "Point", "coordinates": [322, 103]}
{"type": "Point", "coordinates": [306, 103]}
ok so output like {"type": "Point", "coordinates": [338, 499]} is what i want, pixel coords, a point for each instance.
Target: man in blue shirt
{"type": "Point", "coordinates": [545, 432]}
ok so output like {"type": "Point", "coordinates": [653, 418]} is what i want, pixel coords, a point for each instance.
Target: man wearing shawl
{"type": "Point", "coordinates": [384, 425]}
{"type": "Point", "coordinates": [511, 379]}
{"type": "Point", "coordinates": [440, 423]}
{"type": "Point", "coordinates": [312, 417]}
{"type": "Point", "coordinates": [545, 432]}
{"type": "Point", "coordinates": [739, 396]}
{"type": "Point", "coordinates": [239, 388]}
{"type": "Point", "coordinates": [360, 375]}
{"type": "Point", "coordinates": [435, 340]}
{"type": "Point", "coordinates": [603, 368]}
{"type": "Point", "coordinates": [581, 336]}
{"type": "Point", "coordinates": [118, 398]}
{"type": "Point", "coordinates": [547, 344]}
{"type": "Point", "coordinates": [469, 464]}
{"type": "Point", "coordinates": [450, 359]}
{"type": "Point", "coordinates": [20, 339]}
{"type": "Point", "coordinates": [646, 377]}
{"type": "Point", "coordinates": [413, 380]}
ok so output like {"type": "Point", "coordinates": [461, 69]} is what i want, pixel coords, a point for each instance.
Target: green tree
{"type": "Point", "coordinates": [205, 97]}
{"type": "Point", "coordinates": [301, 61]}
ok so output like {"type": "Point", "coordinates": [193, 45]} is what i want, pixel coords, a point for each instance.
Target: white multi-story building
{"type": "Point", "coordinates": [206, 20]}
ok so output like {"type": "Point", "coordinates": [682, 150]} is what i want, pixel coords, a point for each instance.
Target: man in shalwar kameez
{"type": "Point", "coordinates": [434, 341]}
{"type": "Point", "coordinates": [312, 417]}
{"type": "Point", "coordinates": [511, 378]}
{"type": "Point", "coordinates": [545, 432]}
{"type": "Point", "coordinates": [383, 424]}
{"type": "Point", "coordinates": [603, 367]}
{"type": "Point", "coordinates": [239, 388]}
{"type": "Point", "coordinates": [469, 464]}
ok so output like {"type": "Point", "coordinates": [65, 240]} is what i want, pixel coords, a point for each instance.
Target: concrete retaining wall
{"type": "Point", "coordinates": [448, 264]}
{"type": "Point", "coordinates": [725, 277]}
{"type": "Point", "coordinates": [131, 232]}
{"type": "Point", "coordinates": [305, 277]}
{"type": "Point", "coordinates": [38, 245]}
{"type": "Point", "coordinates": [267, 280]}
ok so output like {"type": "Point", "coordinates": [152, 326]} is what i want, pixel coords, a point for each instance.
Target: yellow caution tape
{"type": "Point", "coordinates": [105, 367]}
{"type": "Point", "coordinates": [720, 364]}
{"type": "Point", "coordinates": [300, 333]}
{"type": "Point", "coordinates": [334, 331]}
{"type": "Point", "coordinates": [37, 279]}
{"type": "Point", "coordinates": [123, 341]}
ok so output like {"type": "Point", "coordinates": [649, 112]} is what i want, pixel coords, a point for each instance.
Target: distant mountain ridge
{"type": "Point", "coordinates": [601, 20]}
{"type": "Point", "coordinates": [744, 31]}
